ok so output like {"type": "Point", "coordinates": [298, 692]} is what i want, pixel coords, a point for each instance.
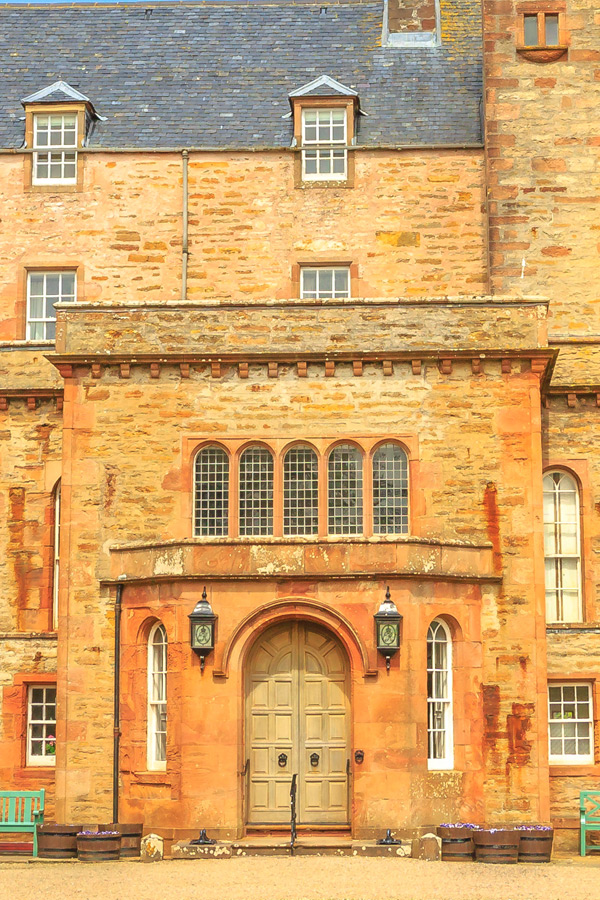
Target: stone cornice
{"type": "Point", "coordinates": [32, 396]}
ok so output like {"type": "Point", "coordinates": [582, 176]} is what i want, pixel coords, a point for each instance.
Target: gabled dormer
{"type": "Point", "coordinates": [324, 115]}
{"type": "Point", "coordinates": [58, 121]}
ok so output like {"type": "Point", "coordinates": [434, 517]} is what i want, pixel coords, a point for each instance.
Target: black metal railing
{"type": "Point", "coordinates": [293, 792]}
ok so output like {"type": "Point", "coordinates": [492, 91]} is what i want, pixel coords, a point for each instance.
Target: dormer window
{"type": "Point", "coordinates": [54, 145]}
{"type": "Point", "coordinates": [324, 139]}
{"type": "Point", "coordinates": [324, 116]}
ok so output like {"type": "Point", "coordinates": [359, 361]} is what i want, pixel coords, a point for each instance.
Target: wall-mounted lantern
{"type": "Point", "coordinates": [202, 628]}
{"type": "Point", "coordinates": [387, 628]}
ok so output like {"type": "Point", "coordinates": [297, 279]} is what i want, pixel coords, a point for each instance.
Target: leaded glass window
{"type": "Point", "coordinates": [439, 697]}
{"type": "Point", "coordinates": [157, 698]}
{"type": "Point", "coordinates": [300, 492]}
{"type": "Point", "coordinates": [256, 492]}
{"type": "Point", "coordinates": [345, 490]}
{"type": "Point", "coordinates": [390, 490]}
{"type": "Point", "coordinates": [562, 548]}
{"type": "Point", "coordinates": [211, 501]}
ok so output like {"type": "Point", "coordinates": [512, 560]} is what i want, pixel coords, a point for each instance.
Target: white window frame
{"type": "Point", "coordinates": [63, 296]}
{"type": "Point", "coordinates": [447, 761]}
{"type": "Point", "coordinates": [156, 706]}
{"type": "Point", "coordinates": [41, 759]}
{"type": "Point", "coordinates": [572, 759]}
{"type": "Point", "coordinates": [400, 484]}
{"type": "Point", "coordinates": [345, 505]}
{"type": "Point", "coordinates": [324, 149]}
{"type": "Point", "coordinates": [555, 603]}
{"type": "Point", "coordinates": [320, 293]}
{"type": "Point", "coordinates": [211, 513]}
{"type": "Point", "coordinates": [62, 152]}
{"type": "Point", "coordinates": [56, 556]}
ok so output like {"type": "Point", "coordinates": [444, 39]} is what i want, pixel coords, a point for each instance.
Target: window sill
{"type": "Point", "coordinates": [564, 770]}
{"type": "Point", "coordinates": [542, 54]}
{"type": "Point", "coordinates": [152, 777]}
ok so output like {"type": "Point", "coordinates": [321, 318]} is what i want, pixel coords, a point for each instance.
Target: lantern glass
{"type": "Point", "coordinates": [202, 635]}
{"type": "Point", "coordinates": [388, 635]}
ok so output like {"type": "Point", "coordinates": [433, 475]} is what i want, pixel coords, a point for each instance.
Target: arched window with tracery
{"type": "Point", "coordinates": [300, 491]}
{"type": "Point", "coordinates": [440, 745]}
{"type": "Point", "coordinates": [211, 493]}
{"type": "Point", "coordinates": [157, 698]}
{"type": "Point", "coordinates": [345, 490]}
{"type": "Point", "coordinates": [256, 492]}
{"type": "Point", "coordinates": [562, 548]}
{"type": "Point", "coordinates": [390, 490]}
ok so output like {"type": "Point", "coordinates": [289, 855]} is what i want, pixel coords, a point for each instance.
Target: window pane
{"type": "Point", "coordinates": [345, 490]}
{"type": "Point", "coordinates": [256, 492]}
{"type": "Point", "coordinates": [309, 283]}
{"type": "Point", "coordinates": [390, 490]}
{"type": "Point", "coordinates": [300, 492]}
{"type": "Point", "coordinates": [325, 282]}
{"type": "Point", "coordinates": [531, 31]}
{"type": "Point", "coordinates": [551, 30]}
{"type": "Point", "coordinates": [212, 492]}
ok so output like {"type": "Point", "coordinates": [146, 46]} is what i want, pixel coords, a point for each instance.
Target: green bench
{"type": "Point", "coordinates": [589, 815]}
{"type": "Point", "coordinates": [22, 811]}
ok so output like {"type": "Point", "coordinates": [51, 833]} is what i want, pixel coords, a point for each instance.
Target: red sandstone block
{"type": "Point", "coordinates": [556, 251]}
{"type": "Point", "coordinates": [548, 164]}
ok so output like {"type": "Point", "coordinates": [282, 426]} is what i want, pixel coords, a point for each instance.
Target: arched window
{"type": "Point", "coordinates": [345, 490]}
{"type": "Point", "coordinates": [55, 555]}
{"type": "Point", "coordinates": [157, 698]}
{"type": "Point", "coordinates": [562, 548]}
{"type": "Point", "coordinates": [390, 490]}
{"type": "Point", "coordinates": [300, 491]}
{"type": "Point", "coordinates": [211, 500]}
{"type": "Point", "coordinates": [440, 753]}
{"type": "Point", "coordinates": [256, 492]}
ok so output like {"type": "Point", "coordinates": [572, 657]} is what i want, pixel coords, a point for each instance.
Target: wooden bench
{"type": "Point", "coordinates": [22, 811]}
{"type": "Point", "coordinates": [589, 815]}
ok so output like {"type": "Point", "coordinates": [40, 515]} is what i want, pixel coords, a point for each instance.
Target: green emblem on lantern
{"type": "Point", "coordinates": [202, 635]}
{"type": "Point", "coordinates": [388, 635]}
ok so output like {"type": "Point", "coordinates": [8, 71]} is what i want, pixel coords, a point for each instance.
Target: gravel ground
{"type": "Point", "coordinates": [321, 878]}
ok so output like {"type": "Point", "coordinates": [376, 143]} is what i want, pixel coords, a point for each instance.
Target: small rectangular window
{"type": "Point", "coordinates": [570, 724]}
{"type": "Point", "coordinates": [541, 29]}
{"type": "Point", "coordinates": [531, 31]}
{"type": "Point", "coordinates": [44, 289]}
{"type": "Point", "coordinates": [322, 283]}
{"type": "Point", "coordinates": [551, 26]}
{"type": "Point", "coordinates": [322, 130]}
{"type": "Point", "coordinates": [54, 145]}
{"type": "Point", "coordinates": [41, 725]}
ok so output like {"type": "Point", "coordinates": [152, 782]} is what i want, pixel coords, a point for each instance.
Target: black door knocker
{"type": "Point", "coordinates": [314, 759]}
{"type": "Point", "coordinates": [282, 760]}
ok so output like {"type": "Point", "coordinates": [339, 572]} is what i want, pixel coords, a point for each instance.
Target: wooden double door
{"type": "Point", "coordinates": [297, 722]}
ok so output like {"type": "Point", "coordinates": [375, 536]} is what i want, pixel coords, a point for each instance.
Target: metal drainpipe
{"type": "Point", "coordinates": [116, 716]}
{"type": "Point", "coordinates": [184, 249]}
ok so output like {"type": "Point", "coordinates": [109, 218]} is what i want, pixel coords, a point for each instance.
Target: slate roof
{"type": "Point", "coordinates": [219, 73]}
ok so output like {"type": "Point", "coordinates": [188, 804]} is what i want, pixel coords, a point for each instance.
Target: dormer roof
{"type": "Point", "coordinates": [61, 92]}
{"type": "Point", "coordinates": [323, 86]}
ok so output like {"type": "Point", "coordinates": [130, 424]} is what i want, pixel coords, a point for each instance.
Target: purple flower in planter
{"type": "Point", "coordinates": [100, 833]}
{"type": "Point", "coordinates": [460, 825]}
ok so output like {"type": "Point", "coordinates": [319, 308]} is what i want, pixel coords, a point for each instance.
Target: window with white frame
{"type": "Point", "coordinates": [570, 724]}
{"type": "Point", "coordinates": [256, 492]}
{"type": "Point", "coordinates": [440, 753]}
{"type": "Point", "coordinates": [44, 289]}
{"type": "Point", "coordinates": [300, 491]}
{"type": "Point", "coordinates": [562, 548]}
{"type": "Point", "coordinates": [157, 698]}
{"type": "Point", "coordinates": [345, 490]}
{"type": "Point", "coordinates": [324, 282]}
{"type": "Point", "coordinates": [390, 490]}
{"type": "Point", "coordinates": [41, 725]}
{"type": "Point", "coordinates": [56, 557]}
{"type": "Point", "coordinates": [54, 149]}
{"type": "Point", "coordinates": [211, 502]}
{"type": "Point", "coordinates": [324, 139]}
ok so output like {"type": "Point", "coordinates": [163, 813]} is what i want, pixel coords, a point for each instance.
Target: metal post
{"type": "Point", "coordinates": [116, 713]}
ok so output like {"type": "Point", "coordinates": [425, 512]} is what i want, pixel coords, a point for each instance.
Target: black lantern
{"type": "Point", "coordinates": [387, 628]}
{"type": "Point", "coordinates": [202, 628]}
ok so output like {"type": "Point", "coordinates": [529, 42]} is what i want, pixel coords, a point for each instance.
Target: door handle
{"type": "Point", "coordinates": [282, 760]}
{"type": "Point", "coordinates": [314, 759]}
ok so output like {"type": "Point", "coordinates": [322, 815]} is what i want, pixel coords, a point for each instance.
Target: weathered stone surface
{"type": "Point", "coordinates": [152, 848]}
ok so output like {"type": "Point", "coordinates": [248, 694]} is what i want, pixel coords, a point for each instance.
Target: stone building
{"type": "Point", "coordinates": [299, 306]}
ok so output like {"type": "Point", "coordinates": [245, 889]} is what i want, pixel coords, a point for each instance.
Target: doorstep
{"type": "Point", "coordinates": [270, 845]}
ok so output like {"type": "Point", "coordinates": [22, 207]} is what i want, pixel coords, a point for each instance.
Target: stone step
{"type": "Point", "coordinates": [275, 846]}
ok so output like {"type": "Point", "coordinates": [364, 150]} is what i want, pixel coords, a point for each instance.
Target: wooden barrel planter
{"type": "Point", "coordinates": [131, 837]}
{"type": "Point", "coordinates": [98, 846]}
{"type": "Point", "coordinates": [535, 843]}
{"type": "Point", "coordinates": [57, 841]}
{"type": "Point", "coordinates": [497, 845]}
{"type": "Point", "coordinates": [457, 842]}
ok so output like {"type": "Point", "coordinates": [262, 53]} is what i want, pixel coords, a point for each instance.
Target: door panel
{"type": "Point", "coordinates": [297, 705]}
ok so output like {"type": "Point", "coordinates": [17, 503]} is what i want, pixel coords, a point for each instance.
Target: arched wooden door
{"type": "Point", "coordinates": [297, 721]}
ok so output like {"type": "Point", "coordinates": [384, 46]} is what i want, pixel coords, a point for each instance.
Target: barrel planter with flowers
{"type": "Point", "coordinates": [497, 845]}
{"type": "Point", "coordinates": [131, 837]}
{"type": "Point", "coordinates": [535, 844]}
{"type": "Point", "coordinates": [457, 841]}
{"type": "Point", "coordinates": [98, 846]}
